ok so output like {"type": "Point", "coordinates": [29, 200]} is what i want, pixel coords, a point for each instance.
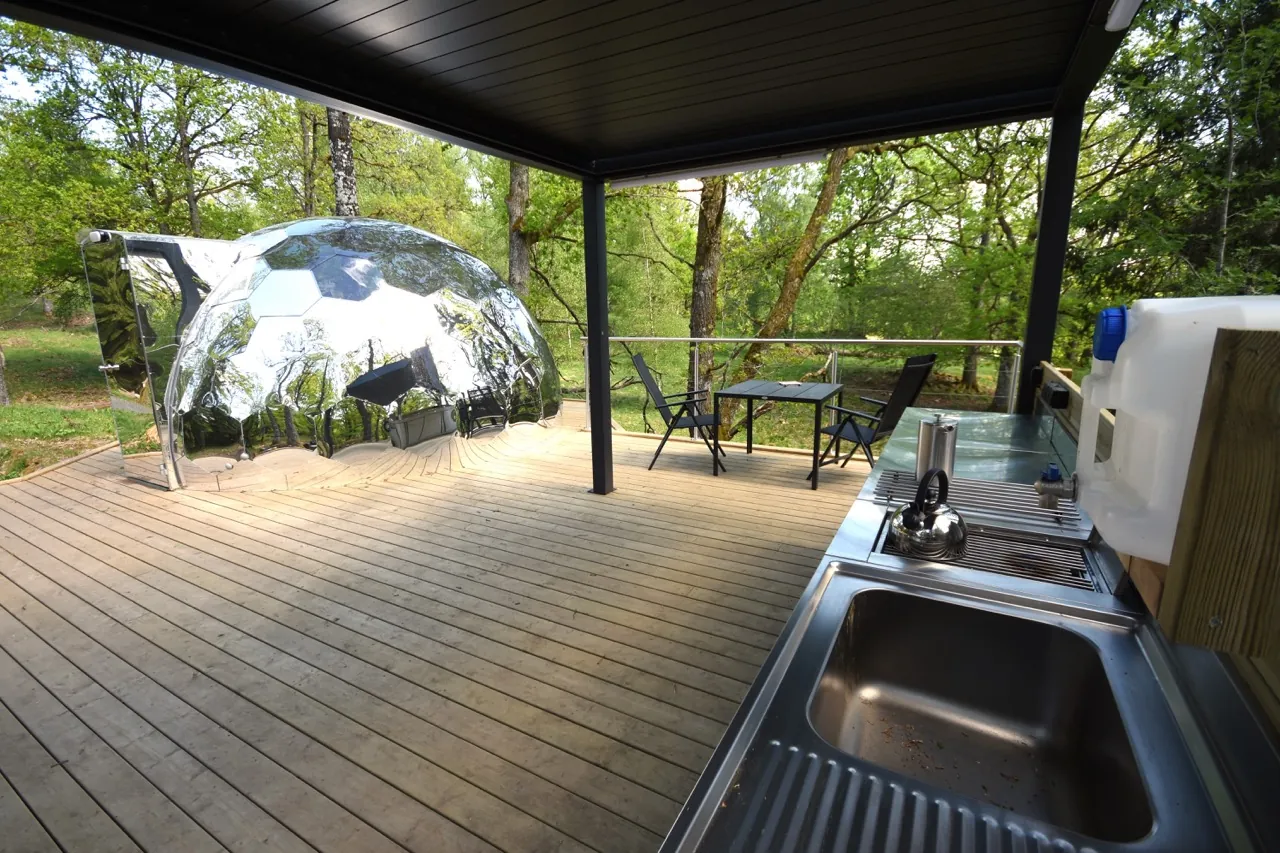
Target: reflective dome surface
{"type": "Point", "coordinates": [327, 333]}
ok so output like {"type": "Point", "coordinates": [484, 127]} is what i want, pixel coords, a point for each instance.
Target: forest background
{"type": "Point", "coordinates": [1178, 194]}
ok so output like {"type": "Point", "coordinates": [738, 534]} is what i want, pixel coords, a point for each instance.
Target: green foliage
{"type": "Point", "coordinates": [1178, 194]}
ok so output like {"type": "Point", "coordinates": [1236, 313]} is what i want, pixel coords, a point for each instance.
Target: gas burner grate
{"type": "Point", "coordinates": [1017, 501]}
{"type": "Point", "coordinates": [1050, 562]}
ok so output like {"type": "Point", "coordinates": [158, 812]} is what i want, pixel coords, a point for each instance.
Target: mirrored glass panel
{"type": "Point", "coordinates": [145, 290]}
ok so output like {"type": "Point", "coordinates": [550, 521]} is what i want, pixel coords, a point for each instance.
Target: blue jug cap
{"type": "Point", "coordinates": [1109, 332]}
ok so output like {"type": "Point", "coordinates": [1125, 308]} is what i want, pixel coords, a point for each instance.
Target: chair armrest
{"type": "Point", "coordinates": [880, 403]}
{"type": "Point", "coordinates": [675, 399]}
{"type": "Point", "coordinates": [855, 413]}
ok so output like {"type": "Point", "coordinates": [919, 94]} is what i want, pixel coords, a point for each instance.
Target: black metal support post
{"type": "Point", "coordinates": [597, 337]}
{"type": "Point", "coordinates": [1051, 247]}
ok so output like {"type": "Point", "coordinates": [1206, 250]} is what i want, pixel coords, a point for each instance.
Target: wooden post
{"type": "Point", "coordinates": [1223, 584]}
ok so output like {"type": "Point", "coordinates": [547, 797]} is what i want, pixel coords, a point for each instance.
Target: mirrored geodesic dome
{"type": "Point", "coordinates": [327, 333]}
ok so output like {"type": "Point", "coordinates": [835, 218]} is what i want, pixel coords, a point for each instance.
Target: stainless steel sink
{"type": "Point", "coordinates": [907, 709]}
{"type": "Point", "coordinates": [1010, 711]}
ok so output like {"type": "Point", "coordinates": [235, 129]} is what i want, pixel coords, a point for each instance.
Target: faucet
{"type": "Point", "coordinates": [1051, 487]}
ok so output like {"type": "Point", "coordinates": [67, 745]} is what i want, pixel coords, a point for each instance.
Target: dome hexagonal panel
{"type": "Point", "coordinates": [333, 332]}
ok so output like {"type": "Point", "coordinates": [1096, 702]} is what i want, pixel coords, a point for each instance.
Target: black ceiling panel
{"type": "Point", "coordinates": [620, 88]}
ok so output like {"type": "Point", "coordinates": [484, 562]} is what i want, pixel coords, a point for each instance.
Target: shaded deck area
{"type": "Point", "coordinates": [473, 654]}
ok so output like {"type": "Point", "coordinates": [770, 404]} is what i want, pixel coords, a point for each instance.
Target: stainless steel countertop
{"type": "Point", "coordinates": [994, 447]}
{"type": "Point", "coordinates": [989, 446]}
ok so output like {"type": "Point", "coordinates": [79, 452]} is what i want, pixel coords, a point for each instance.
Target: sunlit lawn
{"type": "Point", "coordinates": [58, 397]}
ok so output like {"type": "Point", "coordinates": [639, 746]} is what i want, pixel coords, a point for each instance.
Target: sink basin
{"type": "Point", "coordinates": [1010, 711]}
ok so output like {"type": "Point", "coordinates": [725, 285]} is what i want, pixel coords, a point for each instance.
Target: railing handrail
{"type": "Point", "coordinates": [901, 342]}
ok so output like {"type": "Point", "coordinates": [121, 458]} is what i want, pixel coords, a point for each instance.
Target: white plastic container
{"type": "Point", "coordinates": [1156, 385]}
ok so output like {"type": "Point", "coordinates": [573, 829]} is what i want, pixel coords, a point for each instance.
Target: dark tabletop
{"type": "Point", "coordinates": [763, 389]}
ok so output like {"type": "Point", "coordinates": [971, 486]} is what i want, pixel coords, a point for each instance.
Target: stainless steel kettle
{"type": "Point", "coordinates": [927, 528]}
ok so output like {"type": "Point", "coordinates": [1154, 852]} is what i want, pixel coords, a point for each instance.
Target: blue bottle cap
{"type": "Point", "coordinates": [1052, 474]}
{"type": "Point", "coordinates": [1109, 332]}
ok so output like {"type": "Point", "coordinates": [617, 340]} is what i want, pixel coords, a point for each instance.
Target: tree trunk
{"type": "Point", "coordinates": [706, 274]}
{"type": "Point", "coordinates": [290, 429]}
{"type": "Point", "coordinates": [793, 279]}
{"type": "Point", "coordinates": [1004, 381]}
{"type": "Point", "coordinates": [969, 379]}
{"type": "Point", "coordinates": [187, 158]}
{"type": "Point", "coordinates": [518, 242]}
{"type": "Point", "coordinates": [309, 130]}
{"type": "Point", "coordinates": [344, 164]}
{"type": "Point", "coordinates": [1226, 194]}
{"type": "Point", "coordinates": [4, 384]}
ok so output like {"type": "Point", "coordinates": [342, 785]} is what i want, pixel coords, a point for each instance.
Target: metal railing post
{"type": "Point", "coordinates": [697, 367]}
{"type": "Point", "coordinates": [1016, 379]}
{"type": "Point", "coordinates": [586, 385]}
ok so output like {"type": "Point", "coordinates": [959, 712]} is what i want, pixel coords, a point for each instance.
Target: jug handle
{"type": "Point", "coordinates": [922, 491]}
{"type": "Point", "coordinates": [1087, 448]}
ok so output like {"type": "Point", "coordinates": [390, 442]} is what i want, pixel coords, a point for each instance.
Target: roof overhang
{"type": "Point", "coordinates": [622, 89]}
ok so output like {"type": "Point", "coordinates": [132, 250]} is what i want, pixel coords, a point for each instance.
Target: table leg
{"type": "Point", "coordinates": [715, 440]}
{"type": "Point", "coordinates": [836, 421]}
{"type": "Point", "coordinates": [751, 412]}
{"type": "Point", "coordinates": [817, 441]}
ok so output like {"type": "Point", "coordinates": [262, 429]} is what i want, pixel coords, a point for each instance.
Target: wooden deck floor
{"type": "Point", "coordinates": [478, 655]}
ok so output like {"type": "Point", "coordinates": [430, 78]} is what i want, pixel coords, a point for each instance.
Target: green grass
{"type": "Point", "coordinates": [58, 397]}
{"type": "Point", "coordinates": [54, 366]}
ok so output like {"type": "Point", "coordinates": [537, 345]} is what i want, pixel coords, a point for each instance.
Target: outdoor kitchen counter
{"type": "Point", "coordinates": [1009, 448]}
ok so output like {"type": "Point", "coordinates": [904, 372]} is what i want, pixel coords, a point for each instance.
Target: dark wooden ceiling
{"type": "Point", "coordinates": [620, 88]}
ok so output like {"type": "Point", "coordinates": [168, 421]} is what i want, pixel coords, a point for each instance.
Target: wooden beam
{"type": "Point", "coordinates": [1223, 587]}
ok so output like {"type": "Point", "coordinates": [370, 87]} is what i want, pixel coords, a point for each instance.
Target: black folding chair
{"type": "Point", "coordinates": [910, 382]}
{"type": "Point", "coordinates": [687, 413]}
{"type": "Point", "coordinates": [480, 408]}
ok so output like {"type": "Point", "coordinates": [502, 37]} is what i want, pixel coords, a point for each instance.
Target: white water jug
{"type": "Point", "coordinates": [1150, 364]}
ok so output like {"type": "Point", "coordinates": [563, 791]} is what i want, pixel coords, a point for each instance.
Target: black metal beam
{"type": "Point", "coordinates": [1051, 247]}
{"type": "Point", "coordinates": [593, 244]}
{"type": "Point", "coordinates": [1090, 58]}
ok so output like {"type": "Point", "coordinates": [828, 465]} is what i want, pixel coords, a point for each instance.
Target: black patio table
{"type": "Point", "coordinates": [814, 393]}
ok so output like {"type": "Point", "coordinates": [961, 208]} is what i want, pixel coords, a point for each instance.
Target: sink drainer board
{"type": "Point", "coordinates": [1031, 558]}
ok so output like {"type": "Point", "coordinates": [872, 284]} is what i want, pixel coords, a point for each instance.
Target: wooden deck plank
{"type": "Point", "coordinates": [494, 582]}
{"type": "Point", "coordinates": [66, 810]}
{"type": "Point", "coordinates": [236, 821]}
{"type": "Point", "coordinates": [454, 647]}
{"type": "Point", "coordinates": [22, 830]}
{"type": "Point", "coordinates": [504, 679]}
{"type": "Point", "coordinates": [150, 818]}
{"type": "Point", "coordinates": [322, 623]}
{"type": "Point", "coordinates": [214, 619]}
{"type": "Point", "coordinates": [94, 641]}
